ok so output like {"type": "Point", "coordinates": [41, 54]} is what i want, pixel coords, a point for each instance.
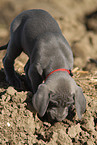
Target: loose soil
{"type": "Point", "coordinates": [18, 124]}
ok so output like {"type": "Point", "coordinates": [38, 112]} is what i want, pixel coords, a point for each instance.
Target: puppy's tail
{"type": "Point", "coordinates": [4, 47]}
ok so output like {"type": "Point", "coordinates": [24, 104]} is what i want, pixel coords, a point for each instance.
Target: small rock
{"type": "Point", "coordinates": [90, 124]}
{"type": "Point", "coordinates": [61, 137]}
{"type": "Point", "coordinates": [8, 124]}
{"type": "Point", "coordinates": [74, 130]}
{"type": "Point", "coordinates": [11, 91]}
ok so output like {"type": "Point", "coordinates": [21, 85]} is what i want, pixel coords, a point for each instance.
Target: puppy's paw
{"type": "Point", "coordinates": [14, 81]}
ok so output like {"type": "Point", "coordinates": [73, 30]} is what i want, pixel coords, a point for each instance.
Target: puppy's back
{"type": "Point", "coordinates": [35, 20]}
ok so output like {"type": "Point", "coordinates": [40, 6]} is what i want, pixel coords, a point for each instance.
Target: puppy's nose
{"type": "Point", "coordinates": [60, 118]}
{"type": "Point", "coordinates": [61, 114]}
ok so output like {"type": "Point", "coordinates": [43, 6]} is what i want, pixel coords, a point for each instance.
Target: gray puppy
{"type": "Point", "coordinates": [36, 33]}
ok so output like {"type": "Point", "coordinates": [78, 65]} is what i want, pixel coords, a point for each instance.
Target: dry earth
{"type": "Point", "coordinates": [18, 125]}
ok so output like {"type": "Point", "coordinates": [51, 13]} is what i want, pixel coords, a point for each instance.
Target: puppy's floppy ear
{"type": "Point", "coordinates": [41, 99]}
{"type": "Point", "coordinates": [80, 102]}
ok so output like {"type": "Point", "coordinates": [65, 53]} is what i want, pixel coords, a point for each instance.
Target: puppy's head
{"type": "Point", "coordinates": [56, 102]}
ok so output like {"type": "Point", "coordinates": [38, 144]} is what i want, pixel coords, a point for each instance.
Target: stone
{"type": "Point", "coordinates": [11, 91]}
{"type": "Point", "coordinates": [74, 130]}
{"type": "Point", "coordinates": [60, 137]}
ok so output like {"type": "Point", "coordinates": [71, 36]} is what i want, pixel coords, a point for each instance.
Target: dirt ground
{"type": "Point", "coordinates": [18, 124]}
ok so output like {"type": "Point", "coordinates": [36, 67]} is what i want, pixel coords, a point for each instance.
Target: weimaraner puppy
{"type": "Point", "coordinates": [48, 70]}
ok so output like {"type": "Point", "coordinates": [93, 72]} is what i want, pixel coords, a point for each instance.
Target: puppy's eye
{"type": "Point", "coordinates": [53, 103]}
{"type": "Point", "coordinates": [51, 94]}
{"type": "Point", "coordinates": [73, 96]}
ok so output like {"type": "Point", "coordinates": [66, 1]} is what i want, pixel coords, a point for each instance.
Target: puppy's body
{"type": "Point", "coordinates": [37, 34]}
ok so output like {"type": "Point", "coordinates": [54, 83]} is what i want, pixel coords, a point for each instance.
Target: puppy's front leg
{"type": "Point", "coordinates": [26, 68]}
{"type": "Point", "coordinates": [35, 76]}
{"type": "Point", "coordinates": [8, 61]}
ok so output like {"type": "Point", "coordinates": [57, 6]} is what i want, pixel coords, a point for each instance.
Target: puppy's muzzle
{"type": "Point", "coordinates": [58, 114]}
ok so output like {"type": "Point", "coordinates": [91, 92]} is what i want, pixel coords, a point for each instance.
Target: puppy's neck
{"type": "Point", "coordinates": [61, 69]}
{"type": "Point", "coordinates": [56, 78]}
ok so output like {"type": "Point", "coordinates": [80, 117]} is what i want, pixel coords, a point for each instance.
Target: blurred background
{"type": "Point", "coordinates": [76, 18]}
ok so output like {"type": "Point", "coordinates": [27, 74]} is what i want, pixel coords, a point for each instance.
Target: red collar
{"type": "Point", "coordinates": [61, 69]}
